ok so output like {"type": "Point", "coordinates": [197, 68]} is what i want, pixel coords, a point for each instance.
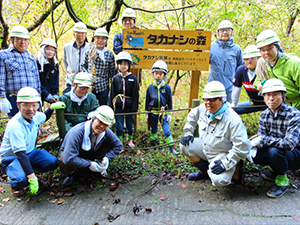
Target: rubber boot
{"type": "Point", "coordinates": [202, 165]}
{"type": "Point", "coordinates": [171, 146]}
{"type": "Point", "coordinates": [153, 137]}
{"type": "Point", "coordinates": [130, 141]}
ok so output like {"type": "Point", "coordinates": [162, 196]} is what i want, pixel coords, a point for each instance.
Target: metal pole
{"type": "Point", "coordinates": [195, 103]}
{"type": "Point", "coordinates": [60, 120]}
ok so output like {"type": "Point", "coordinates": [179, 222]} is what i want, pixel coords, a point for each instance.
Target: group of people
{"type": "Point", "coordinates": [99, 89]}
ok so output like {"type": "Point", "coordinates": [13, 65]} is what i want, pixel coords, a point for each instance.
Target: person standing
{"type": "Point", "coordinates": [222, 140]}
{"type": "Point", "coordinates": [48, 70]}
{"type": "Point", "coordinates": [19, 156]}
{"type": "Point", "coordinates": [225, 58]}
{"type": "Point", "coordinates": [104, 63]}
{"type": "Point", "coordinates": [278, 140]}
{"type": "Point", "coordinates": [280, 65]}
{"type": "Point", "coordinates": [74, 53]}
{"type": "Point", "coordinates": [18, 69]}
{"type": "Point", "coordinates": [245, 76]}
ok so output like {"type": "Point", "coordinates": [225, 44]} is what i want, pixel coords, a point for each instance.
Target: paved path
{"type": "Point", "coordinates": [186, 203]}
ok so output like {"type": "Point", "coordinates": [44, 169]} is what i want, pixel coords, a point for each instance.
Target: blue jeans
{"type": "Point", "coordinates": [280, 160]}
{"type": "Point", "coordinates": [102, 96]}
{"type": "Point", "coordinates": [165, 124]}
{"type": "Point", "coordinates": [249, 110]}
{"type": "Point", "coordinates": [120, 122]}
{"type": "Point", "coordinates": [40, 159]}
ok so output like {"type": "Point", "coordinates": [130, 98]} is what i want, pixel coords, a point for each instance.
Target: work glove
{"type": "Point", "coordinates": [186, 140]}
{"type": "Point", "coordinates": [91, 115]}
{"type": "Point", "coordinates": [95, 167]}
{"type": "Point", "coordinates": [218, 167]}
{"type": "Point", "coordinates": [251, 155]}
{"type": "Point", "coordinates": [58, 105]}
{"type": "Point", "coordinates": [169, 118]}
{"type": "Point", "coordinates": [93, 52]}
{"type": "Point", "coordinates": [256, 141]}
{"type": "Point", "coordinates": [105, 163]}
{"type": "Point", "coordinates": [33, 185]}
{"type": "Point", "coordinates": [5, 105]}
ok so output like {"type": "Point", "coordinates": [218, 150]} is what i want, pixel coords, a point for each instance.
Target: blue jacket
{"type": "Point", "coordinates": [73, 154]}
{"type": "Point", "coordinates": [225, 58]}
{"type": "Point", "coordinates": [165, 97]}
{"type": "Point", "coordinates": [118, 43]}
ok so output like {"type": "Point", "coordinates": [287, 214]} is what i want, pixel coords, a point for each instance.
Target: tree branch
{"type": "Point", "coordinates": [4, 28]}
{"type": "Point", "coordinates": [163, 10]}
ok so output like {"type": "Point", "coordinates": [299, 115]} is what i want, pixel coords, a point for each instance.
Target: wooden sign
{"type": "Point", "coordinates": [166, 39]}
{"type": "Point", "coordinates": [175, 60]}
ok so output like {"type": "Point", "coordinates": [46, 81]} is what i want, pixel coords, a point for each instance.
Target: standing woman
{"type": "Point", "coordinates": [104, 62]}
{"type": "Point", "coordinates": [48, 70]}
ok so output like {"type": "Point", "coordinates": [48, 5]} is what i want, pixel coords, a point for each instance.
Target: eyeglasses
{"type": "Point", "coordinates": [274, 95]}
{"type": "Point", "coordinates": [30, 105]}
{"type": "Point", "coordinates": [79, 33]}
{"type": "Point", "coordinates": [101, 39]}
{"type": "Point", "coordinates": [209, 99]}
{"type": "Point", "coordinates": [225, 30]}
{"type": "Point", "coordinates": [21, 40]}
{"type": "Point", "coordinates": [250, 59]}
{"type": "Point", "coordinates": [50, 50]}
{"type": "Point", "coordinates": [84, 88]}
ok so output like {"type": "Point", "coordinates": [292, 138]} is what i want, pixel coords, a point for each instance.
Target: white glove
{"type": "Point", "coordinates": [256, 141]}
{"type": "Point", "coordinates": [232, 104]}
{"type": "Point", "coordinates": [5, 105]}
{"type": "Point", "coordinates": [90, 115]}
{"type": "Point", "coordinates": [252, 153]}
{"type": "Point", "coordinates": [105, 163]}
{"type": "Point", "coordinates": [169, 118]}
{"type": "Point", "coordinates": [95, 167]}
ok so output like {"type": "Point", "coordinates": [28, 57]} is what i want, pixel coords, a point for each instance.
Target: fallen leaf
{"type": "Point", "coordinates": [5, 200]}
{"type": "Point", "coordinates": [138, 152]}
{"type": "Point", "coordinates": [167, 203]}
{"type": "Point", "coordinates": [148, 210]}
{"type": "Point", "coordinates": [60, 201]}
{"type": "Point", "coordinates": [184, 185]}
{"type": "Point", "coordinates": [179, 184]}
{"type": "Point", "coordinates": [69, 194]}
{"type": "Point", "coordinates": [74, 207]}
{"type": "Point", "coordinates": [2, 189]}
{"type": "Point", "coordinates": [163, 197]}
{"type": "Point", "coordinates": [53, 201]}
{"type": "Point", "coordinates": [297, 218]}
{"type": "Point", "coordinates": [168, 222]}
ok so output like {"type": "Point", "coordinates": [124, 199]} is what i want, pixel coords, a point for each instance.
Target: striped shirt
{"type": "Point", "coordinates": [17, 70]}
{"type": "Point", "coordinates": [282, 130]}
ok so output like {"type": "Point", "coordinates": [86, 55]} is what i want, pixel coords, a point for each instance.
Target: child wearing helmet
{"type": "Point", "coordinates": [48, 70]}
{"type": "Point", "coordinates": [124, 96]}
{"type": "Point", "coordinates": [159, 97]}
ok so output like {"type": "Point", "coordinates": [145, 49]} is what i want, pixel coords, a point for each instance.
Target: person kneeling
{"type": "Point", "coordinates": [222, 141]}
{"type": "Point", "coordinates": [89, 145]}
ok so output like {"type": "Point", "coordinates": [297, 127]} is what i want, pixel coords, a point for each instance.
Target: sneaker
{"type": "Point", "coordinates": [276, 191]}
{"type": "Point", "coordinates": [172, 149]}
{"type": "Point", "coordinates": [270, 176]}
{"type": "Point", "coordinates": [196, 176]}
{"type": "Point", "coordinates": [17, 192]}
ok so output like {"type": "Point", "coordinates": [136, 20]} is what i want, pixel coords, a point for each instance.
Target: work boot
{"type": "Point", "coordinates": [277, 191]}
{"type": "Point", "coordinates": [17, 192]}
{"type": "Point", "coordinates": [197, 175]}
{"type": "Point", "coordinates": [172, 150]}
{"type": "Point", "coordinates": [69, 179]}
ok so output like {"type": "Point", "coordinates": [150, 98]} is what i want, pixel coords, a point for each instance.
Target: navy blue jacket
{"type": "Point", "coordinates": [165, 97]}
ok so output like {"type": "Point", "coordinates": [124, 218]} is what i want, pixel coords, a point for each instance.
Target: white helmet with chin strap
{"type": "Point", "coordinates": [214, 89]}
{"type": "Point", "coordinates": [49, 41]}
{"type": "Point", "coordinates": [160, 66]}
{"type": "Point", "coordinates": [105, 114]}
{"type": "Point", "coordinates": [19, 31]}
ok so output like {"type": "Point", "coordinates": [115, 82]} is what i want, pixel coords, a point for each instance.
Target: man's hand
{"type": "Point", "coordinates": [33, 185]}
{"type": "Point", "coordinates": [5, 105]}
{"type": "Point", "coordinates": [95, 167]}
{"type": "Point", "coordinates": [251, 155]}
{"type": "Point", "coordinates": [58, 105]}
{"type": "Point", "coordinates": [218, 167]}
{"type": "Point", "coordinates": [186, 140]}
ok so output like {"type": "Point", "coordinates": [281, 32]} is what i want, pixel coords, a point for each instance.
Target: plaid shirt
{"type": "Point", "coordinates": [282, 131]}
{"type": "Point", "coordinates": [17, 70]}
{"type": "Point", "coordinates": [104, 70]}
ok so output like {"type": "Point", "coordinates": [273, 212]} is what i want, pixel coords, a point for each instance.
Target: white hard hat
{"type": "Point", "coordinates": [80, 27]}
{"type": "Point", "coordinates": [101, 32]}
{"type": "Point", "coordinates": [49, 41]}
{"type": "Point", "coordinates": [128, 12]}
{"type": "Point", "coordinates": [266, 37]}
{"type": "Point", "coordinates": [160, 66]}
{"type": "Point", "coordinates": [214, 89]}
{"type": "Point", "coordinates": [225, 24]}
{"type": "Point", "coordinates": [105, 114]}
{"type": "Point", "coordinates": [28, 94]}
{"type": "Point", "coordinates": [251, 51]}
{"type": "Point", "coordinates": [124, 56]}
{"type": "Point", "coordinates": [19, 31]}
{"type": "Point", "coordinates": [83, 79]}
{"type": "Point", "coordinates": [272, 85]}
